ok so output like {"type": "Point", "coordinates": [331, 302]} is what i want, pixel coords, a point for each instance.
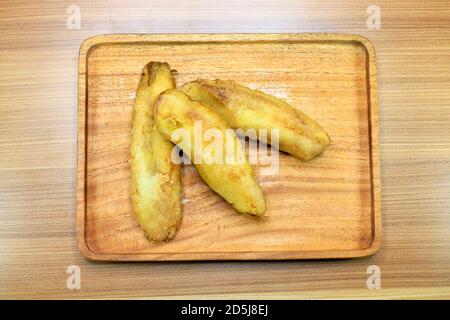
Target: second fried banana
{"type": "Point", "coordinates": [231, 177]}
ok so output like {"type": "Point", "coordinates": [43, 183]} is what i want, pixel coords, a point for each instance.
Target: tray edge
{"type": "Point", "coordinates": [375, 243]}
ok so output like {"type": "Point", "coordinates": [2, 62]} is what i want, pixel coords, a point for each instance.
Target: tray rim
{"type": "Point", "coordinates": [374, 151]}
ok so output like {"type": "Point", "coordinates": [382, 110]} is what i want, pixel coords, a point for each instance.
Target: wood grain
{"type": "Point", "coordinates": [325, 208]}
{"type": "Point", "coordinates": [38, 99]}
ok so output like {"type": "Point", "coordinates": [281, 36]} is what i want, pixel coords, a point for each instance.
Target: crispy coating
{"type": "Point", "coordinates": [155, 179]}
{"type": "Point", "coordinates": [231, 177]}
{"type": "Point", "coordinates": [245, 108]}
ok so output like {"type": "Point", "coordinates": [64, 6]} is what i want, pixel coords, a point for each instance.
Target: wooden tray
{"type": "Point", "coordinates": [325, 208]}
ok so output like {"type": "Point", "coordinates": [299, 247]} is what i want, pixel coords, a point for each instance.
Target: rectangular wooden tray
{"type": "Point", "coordinates": [325, 208]}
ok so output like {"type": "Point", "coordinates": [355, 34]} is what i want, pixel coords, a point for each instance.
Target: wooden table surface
{"type": "Point", "coordinates": [38, 96]}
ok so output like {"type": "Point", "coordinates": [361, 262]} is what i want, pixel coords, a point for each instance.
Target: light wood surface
{"type": "Point", "coordinates": [328, 207]}
{"type": "Point", "coordinates": [38, 98]}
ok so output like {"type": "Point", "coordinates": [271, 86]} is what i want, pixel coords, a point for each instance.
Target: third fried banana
{"type": "Point", "coordinates": [244, 108]}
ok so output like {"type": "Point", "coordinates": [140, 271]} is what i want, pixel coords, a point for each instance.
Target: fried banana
{"type": "Point", "coordinates": [155, 179]}
{"type": "Point", "coordinates": [204, 130]}
{"type": "Point", "coordinates": [244, 108]}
